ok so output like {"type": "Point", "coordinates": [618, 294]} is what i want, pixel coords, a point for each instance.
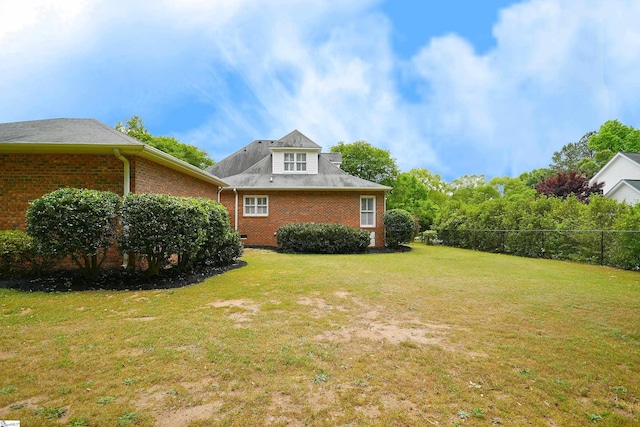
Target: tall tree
{"type": "Point", "coordinates": [611, 138]}
{"type": "Point", "coordinates": [363, 160]}
{"type": "Point", "coordinates": [571, 155]}
{"type": "Point", "coordinates": [134, 127]}
{"type": "Point", "coordinates": [411, 194]}
{"type": "Point", "coordinates": [565, 184]}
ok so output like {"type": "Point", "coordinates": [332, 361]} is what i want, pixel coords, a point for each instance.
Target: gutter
{"type": "Point", "coordinates": [126, 190]}
{"type": "Point", "coordinates": [236, 210]}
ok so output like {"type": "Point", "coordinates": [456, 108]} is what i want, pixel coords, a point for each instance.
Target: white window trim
{"type": "Point", "coordinates": [373, 212]}
{"type": "Point", "coordinates": [295, 163]}
{"type": "Point", "coordinates": [256, 197]}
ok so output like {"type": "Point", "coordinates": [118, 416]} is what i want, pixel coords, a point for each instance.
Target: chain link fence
{"type": "Point", "coordinates": [615, 248]}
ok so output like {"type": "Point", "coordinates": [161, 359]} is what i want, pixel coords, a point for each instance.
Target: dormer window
{"type": "Point", "coordinates": [295, 162]}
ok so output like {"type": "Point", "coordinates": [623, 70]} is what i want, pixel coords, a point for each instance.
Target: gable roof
{"type": "Point", "coordinates": [634, 184]}
{"type": "Point", "coordinates": [633, 157]}
{"type": "Point", "coordinates": [86, 136]}
{"type": "Point", "coordinates": [295, 139]}
{"type": "Point", "coordinates": [251, 167]}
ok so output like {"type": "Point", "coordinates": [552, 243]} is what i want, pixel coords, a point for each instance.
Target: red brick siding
{"type": "Point", "coordinates": [25, 177]}
{"type": "Point", "coordinates": [287, 207]}
{"type": "Point", "coordinates": [150, 177]}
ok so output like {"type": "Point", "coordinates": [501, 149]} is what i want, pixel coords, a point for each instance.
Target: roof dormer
{"type": "Point", "coordinates": [295, 154]}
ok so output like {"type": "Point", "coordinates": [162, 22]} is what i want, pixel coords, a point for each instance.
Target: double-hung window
{"type": "Point", "coordinates": [367, 211]}
{"type": "Point", "coordinates": [295, 162]}
{"type": "Point", "coordinates": [256, 206]}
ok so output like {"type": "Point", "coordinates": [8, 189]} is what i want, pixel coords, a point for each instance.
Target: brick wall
{"type": "Point", "coordinates": [25, 177]}
{"type": "Point", "coordinates": [287, 207]}
{"type": "Point", "coordinates": [150, 177]}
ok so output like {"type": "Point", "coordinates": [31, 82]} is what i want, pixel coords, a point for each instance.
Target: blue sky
{"type": "Point", "coordinates": [458, 87]}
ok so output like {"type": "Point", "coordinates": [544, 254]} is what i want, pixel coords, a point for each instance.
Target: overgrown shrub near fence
{"type": "Point", "coordinates": [321, 238]}
{"type": "Point", "coordinates": [601, 232]}
{"type": "Point", "coordinates": [616, 248]}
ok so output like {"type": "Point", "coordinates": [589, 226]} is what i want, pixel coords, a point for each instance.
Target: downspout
{"type": "Point", "coordinates": [219, 191]}
{"type": "Point", "coordinates": [236, 210]}
{"type": "Point", "coordinates": [126, 190]}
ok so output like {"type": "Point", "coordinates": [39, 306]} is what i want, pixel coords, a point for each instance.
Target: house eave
{"type": "Point", "coordinates": [142, 150]}
{"type": "Point", "coordinates": [361, 189]}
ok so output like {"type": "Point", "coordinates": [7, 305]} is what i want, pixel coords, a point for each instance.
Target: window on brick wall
{"type": "Point", "coordinates": [295, 162]}
{"type": "Point", "coordinates": [256, 206]}
{"type": "Point", "coordinates": [367, 211]}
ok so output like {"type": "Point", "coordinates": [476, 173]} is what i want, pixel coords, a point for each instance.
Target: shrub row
{"type": "Point", "coordinates": [546, 227]}
{"type": "Point", "coordinates": [84, 224]}
{"type": "Point", "coordinates": [321, 238]}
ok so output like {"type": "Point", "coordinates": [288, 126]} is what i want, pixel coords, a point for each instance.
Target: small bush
{"type": "Point", "coordinates": [322, 238]}
{"type": "Point", "coordinates": [74, 222]}
{"type": "Point", "coordinates": [428, 237]}
{"type": "Point", "coordinates": [15, 252]}
{"type": "Point", "coordinates": [158, 226]}
{"type": "Point", "coordinates": [399, 227]}
{"type": "Point", "coordinates": [222, 244]}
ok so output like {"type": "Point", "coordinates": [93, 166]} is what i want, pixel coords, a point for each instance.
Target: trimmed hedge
{"type": "Point", "coordinates": [15, 253]}
{"type": "Point", "coordinates": [322, 238]}
{"type": "Point", "coordinates": [222, 244]}
{"type": "Point", "coordinates": [159, 226]}
{"type": "Point", "coordinates": [400, 227]}
{"type": "Point", "coordinates": [74, 222]}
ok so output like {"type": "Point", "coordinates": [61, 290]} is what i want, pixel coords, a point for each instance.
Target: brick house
{"type": "Point", "coordinates": [37, 157]}
{"type": "Point", "coordinates": [271, 183]}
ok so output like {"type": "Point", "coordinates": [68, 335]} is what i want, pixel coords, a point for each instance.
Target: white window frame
{"type": "Point", "coordinates": [295, 162]}
{"type": "Point", "coordinates": [365, 210]}
{"type": "Point", "coordinates": [252, 205]}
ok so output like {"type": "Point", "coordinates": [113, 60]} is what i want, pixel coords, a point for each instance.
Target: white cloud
{"type": "Point", "coordinates": [559, 68]}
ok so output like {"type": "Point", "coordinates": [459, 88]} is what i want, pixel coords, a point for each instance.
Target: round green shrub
{"type": "Point", "coordinates": [400, 227]}
{"type": "Point", "coordinates": [74, 222]}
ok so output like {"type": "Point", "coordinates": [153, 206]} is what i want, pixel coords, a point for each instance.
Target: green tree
{"type": "Point", "coordinates": [134, 127]}
{"type": "Point", "coordinates": [531, 179]}
{"type": "Point", "coordinates": [472, 189]}
{"type": "Point", "coordinates": [611, 138]}
{"type": "Point", "coordinates": [363, 160]}
{"type": "Point", "coordinates": [512, 188]}
{"type": "Point", "coordinates": [571, 155]}
{"type": "Point", "coordinates": [411, 194]}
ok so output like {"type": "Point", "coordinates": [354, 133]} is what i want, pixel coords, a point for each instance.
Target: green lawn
{"type": "Point", "coordinates": [436, 336]}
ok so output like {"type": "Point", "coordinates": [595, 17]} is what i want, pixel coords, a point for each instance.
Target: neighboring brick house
{"type": "Point", "coordinates": [273, 183]}
{"type": "Point", "coordinates": [37, 157]}
{"type": "Point", "coordinates": [621, 177]}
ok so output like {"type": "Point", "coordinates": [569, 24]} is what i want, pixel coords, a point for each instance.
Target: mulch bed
{"type": "Point", "coordinates": [72, 280]}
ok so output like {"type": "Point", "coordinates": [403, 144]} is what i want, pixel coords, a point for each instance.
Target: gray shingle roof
{"type": "Point", "coordinates": [329, 176]}
{"type": "Point", "coordinates": [86, 136]}
{"type": "Point", "coordinates": [64, 131]}
{"type": "Point", "coordinates": [251, 168]}
{"type": "Point", "coordinates": [634, 183]}
{"type": "Point", "coordinates": [296, 139]}
{"type": "Point", "coordinates": [633, 156]}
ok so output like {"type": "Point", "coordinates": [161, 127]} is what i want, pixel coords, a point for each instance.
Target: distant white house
{"type": "Point", "coordinates": [621, 177]}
